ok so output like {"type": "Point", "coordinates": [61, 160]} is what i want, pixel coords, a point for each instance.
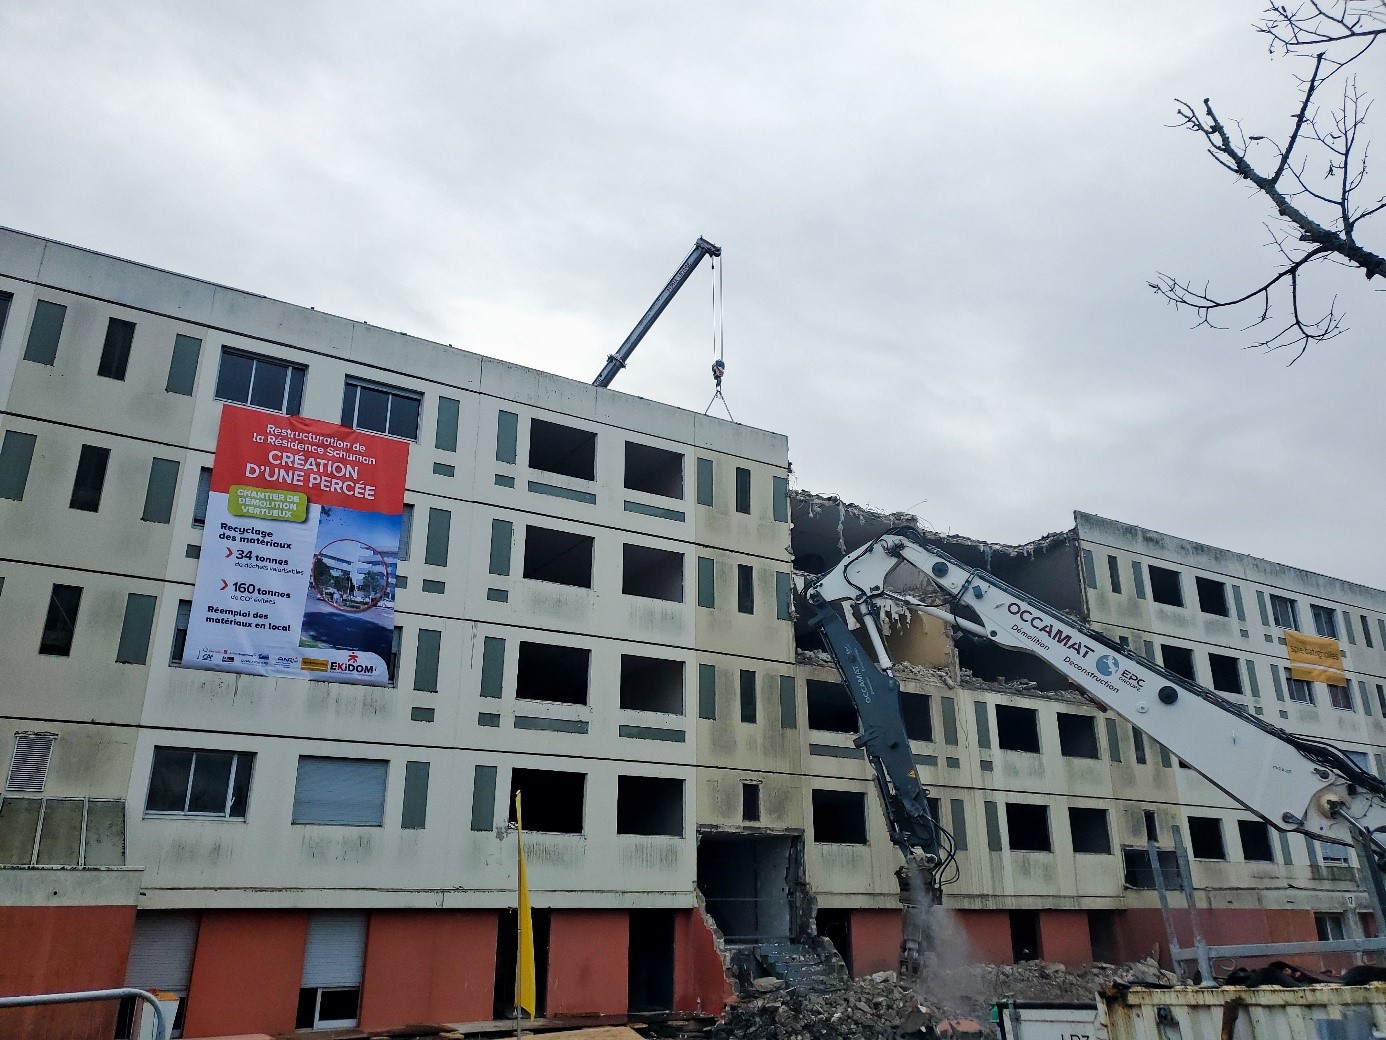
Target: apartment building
{"type": "Point", "coordinates": [583, 579]}
{"type": "Point", "coordinates": [1052, 800]}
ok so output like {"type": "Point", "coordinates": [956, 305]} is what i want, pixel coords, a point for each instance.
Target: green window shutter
{"type": "Point", "coordinates": [136, 629]}
{"type": "Point", "coordinates": [1113, 740]}
{"type": "Point", "coordinates": [1089, 569]}
{"type": "Point", "coordinates": [959, 824]}
{"type": "Point", "coordinates": [16, 455]}
{"type": "Point", "coordinates": [182, 369]}
{"type": "Point", "coordinates": [44, 333]}
{"type": "Point", "coordinates": [779, 505]}
{"type": "Point", "coordinates": [1138, 579]}
{"type": "Point", "coordinates": [993, 826]}
{"type": "Point", "coordinates": [438, 537]}
{"type": "Point", "coordinates": [502, 534]}
{"type": "Point", "coordinates": [484, 798]}
{"type": "Point", "coordinates": [492, 666]}
{"type": "Point", "coordinates": [445, 439]}
{"type": "Point", "coordinates": [415, 812]}
{"type": "Point", "coordinates": [782, 595]}
{"type": "Point", "coordinates": [707, 583]}
{"type": "Point", "coordinates": [507, 433]}
{"type": "Point", "coordinates": [983, 716]}
{"type": "Point", "coordinates": [789, 710]}
{"type": "Point", "coordinates": [158, 495]}
{"type": "Point", "coordinates": [705, 497]}
{"type": "Point", "coordinates": [743, 490]}
{"type": "Point", "coordinates": [707, 691]}
{"type": "Point", "coordinates": [426, 660]}
{"type": "Point", "coordinates": [950, 720]}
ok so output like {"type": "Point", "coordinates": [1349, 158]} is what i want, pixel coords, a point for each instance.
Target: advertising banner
{"type": "Point", "coordinates": [299, 551]}
{"type": "Point", "coordinates": [1315, 658]}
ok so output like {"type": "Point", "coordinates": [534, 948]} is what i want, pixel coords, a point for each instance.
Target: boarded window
{"type": "Point", "coordinates": [552, 799]}
{"type": "Point", "coordinates": [707, 691]}
{"type": "Point", "coordinates": [90, 478]}
{"type": "Point", "coordinates": [654, 471]}
{"type": "Point", "coordinates": [1166, 586]}
{"type": "Point", "coordinates": [507, 433]}
{"type": "Point", "coordinates": [445, 434]}
{"type": "Point", "coordinates": [60, 623]}
{"type": "Point", "coordinates": [427, 649]}
{"type": "Point", "coordinates": [652, 573]}
{"type": "Point", "coordinates": [492, 666]}
{"type": "Point", "coordinates": [115, 350]}
{"type": "Point", "coordinates": [1256, 841]}
{"type": "Point", "coordinates": [789, 713]}
{"type": "Point", "coordinates": [1226, 672]}
{"type": "Point", "coordinates": [44, 332]}
{"type": "Point", "coordinates": [1089, 830]}
{"type": "Point", "coordinates": [16, 456]}
{"type": "Point", "coordinates": [707, 582]}
{"type": "Point", "coordinates": [705, 494]}
{"type": "Point", "coordinates": [159, 492]}
{"type": "Point", "coordinates": [347, 792]}
{"type": "Point", "coordinates": [414, 814]}
{"type": "Point", "coordinates": [546, 672]}
{"type": "Point", "coordinates": [502, 534]}
{"type": "Point", "coordinates": [560, 557]}
{"type": "Point", "coordinates": [182, 367]}
{"type": "Point", "coordinates": [839, 817]}
{"type": "Point", "coordinates": [1027, 827]}
{"type": "Point", "coordinates": [743, 490]}
{"type": "Point", "coordinates": [1212, 596]}
{"type": "Point", "coordinates": [651, 684]}
{"type": "Point", "coordinates": [1078, 736]}
{"type": "Point", "coordinates": [745, 588]}
{"type": "Point", "coordinates": [483, 798]}
{"type": "Point", "coordinates": [438, 539]}
{"type": "Point", "coordinates": [135, 629]}
{"type": "Point", "coordinates": [1017, 729]}
{"type": "Point", "coordinates": [830, 707]}
{"type": "Point", "coordinates": [565, 450]}
{"type": "Point", "coordinates": [649, 805]}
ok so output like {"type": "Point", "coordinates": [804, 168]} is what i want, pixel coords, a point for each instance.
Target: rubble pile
{"type": "Point", "coordinates": [956, 1003]}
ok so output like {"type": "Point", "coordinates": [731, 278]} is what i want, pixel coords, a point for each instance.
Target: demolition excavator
{"type": "Point", "coordinates": [1294, 783]}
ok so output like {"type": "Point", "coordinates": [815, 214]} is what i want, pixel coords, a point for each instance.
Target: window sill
{"type": "Point", "coordinates": [208, 817]}
{"type": "Point", "coordinates": [256, 407]}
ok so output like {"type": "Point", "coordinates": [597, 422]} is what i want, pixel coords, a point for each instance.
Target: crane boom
{"type": "Point", "coordinates": [617, 361]}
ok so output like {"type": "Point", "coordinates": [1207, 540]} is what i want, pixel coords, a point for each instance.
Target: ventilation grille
{"type": "Point", "coordinates": [29, 766]}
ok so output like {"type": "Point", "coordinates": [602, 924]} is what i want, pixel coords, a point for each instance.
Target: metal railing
{"type": "Point", "coordinates": [41, 999]}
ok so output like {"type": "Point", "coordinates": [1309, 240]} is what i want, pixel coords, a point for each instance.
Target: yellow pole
{"type": "Point", "coordinates": [524, 956]}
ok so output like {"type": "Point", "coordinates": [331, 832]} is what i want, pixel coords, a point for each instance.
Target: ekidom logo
{"type": "Point", "coordinates": [1108, 664]}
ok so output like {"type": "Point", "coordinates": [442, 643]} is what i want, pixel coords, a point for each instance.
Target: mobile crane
{"type": "Point", "coordinates": [1294, 783]}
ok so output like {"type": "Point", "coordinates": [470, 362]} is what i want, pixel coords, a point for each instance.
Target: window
{"type": "Point", "coordinates": [182, 367]}
{"type": "Point", "coordinates": [1285, 612]}
{"type": "Point", "coordinates": [649, 805]}
{"type": "Point", "coordinates": [654, 471]}
{"type": "Point", "coordinates": [1340, 697]}
{"type": "Point", "coordinates": [44, 333]}
{"type": "Point", "coordinates": [1325, 620]}
{"type": "Point", "coordinates": [381, 409]}
{"type": "Point", "coordinates": [1090, 831]}
{"type": "Point", "coordinates": [507, 436]}
{"type": "Point", "coordinates": [745, 588]}
{"type": "Point", "coordinates": [1256, 841]}
{"type": "Point", "coordinates": [557, 674]}
{"type": "Point", "coordinates": [1152, 825]}
{"type": "Point", "coordinates": [1381, 698]}
{"type": "Point", "coordinates": [135, 629]}
{"type": "Point", "coordinates": [750, 801]}
{"type": "Point", "coordinates": [917, 711]}
{"type": "Point", "coordinates": [1114, 574]}
{"type": "Point", "coordinates": [1301, 690]}
{"type": "Point", "coordinates": [1017, 729]}
{"type": "Point", "coordinates": [789, 705]}
{"type": "Point", "coordinates": [348, 792]}
{"type": "Point", "coordinates": [704, 491]}
{"type": "Point", "coordinates": [29, 762]}
{"type": "Point", "coordinates": [839, 817]}
{"type": "Point", "coordinates": [160, 491]}
{"type": "Point", "coordinates": [189, 782]}
{"type": "Point", "coordinates": [652, 573]}
{"type": "Point", "coordinates": [1027, 827]}
{"type": "Point", "coordinates": [414, 812]}
{"type": "Point", "coordinates": [1226, 672]}
{"type": "Point", "coordinates": [651, 684]}
{"type": "Point", "coordinates": [438, 537]}
{"type": "Point", "coordinates": [1329, 927]}
{"type": "Point", "coordinates": [115, 351]}
{"type": "Point", "coordinates": [1179, 660]}
{"type": "Point", "coordinates": [1366, 630]}
{"type": "Point", "coordinates": [333, 966]}
{"type": "Point", "coordinates": [779, 500]}
{"type": "Point", "coordinates": [564, 450]}
{"type": "Point", "coordinates": [1212, 596]}
{"type": "Point", "coordinates": [707, 582]}
{"type": "Point", "coordinates": [180, 631]}
{"type": "Point", "coordinates": [427, 648]}
{"type": "Point", "coordinates": [1078, 736]}
{"type": "Point", "coordinates": [204, 490]}
{"type": "Point", "coordinates": [707, 691]}
{"type": "Point", "coordinates": [406, 529]}
{"type": "Point", "coordinates": [5, 300]}
{"type": "Point", "coordinates": [783, 596]}
{"type": "Point", "coordinates": [445, 433]}
{"type": "Point", "coordinates": [1138, 742]}
{"type": "Point", "coordinates": [555, 799]}
{"type": "Point", "coordinates": [830, 708]}
{"type": "Point", "coordinates": [16, 455]}
{"type": "Point", "coordinates": [61, 620]}
{"type": "Point", "coordinates": [1165, 586]}
{"type": "Point", "coordinates": [1205, 838]}
{"type": "Point", "coordinates": [90, 478]}
{"type": "Point", "coordinates": [743, 490]}
{"type": "Point", "coordinates": [260, 382]}
{"type": "Point", "coordinates": [560, 557]}
{"type": "Point", "coordinates": [748, 695]}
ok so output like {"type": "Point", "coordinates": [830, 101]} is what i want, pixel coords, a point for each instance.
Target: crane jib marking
{"type": "Point", "coordinates": [1042, 625]}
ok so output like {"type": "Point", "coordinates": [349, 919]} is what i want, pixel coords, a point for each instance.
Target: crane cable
{"type": "Point", "coordinates": [719, 365]}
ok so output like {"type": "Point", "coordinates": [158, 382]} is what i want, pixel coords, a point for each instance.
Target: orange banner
{"type": "Point", "coordinates": [1315, 658]}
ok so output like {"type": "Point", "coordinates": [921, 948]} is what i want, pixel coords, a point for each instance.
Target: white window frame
{"type": "Point", "coordinates": [237, 758]}
{"type": "Point", "coordinates": [1303, 687]}
{"type": "Point", "coordinates": [1324, 618]}
{"type": "Point", "coordinates": [335, 1023]}
{"type": "Point", "coordinates": [1340, 693]}
{"type": "Point", "coordinates": [1291, 606]}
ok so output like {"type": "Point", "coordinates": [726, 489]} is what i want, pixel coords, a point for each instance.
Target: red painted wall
{"type": "Point", "coordinates": [52, 949]}
{"type": "Point", "coordinates": [875, 941]}
{"type": "Point", "coordinates": [1138, 931]}
{"type": "Point", "coordinates": [700, 980]}
{"type": "Point", "coordinates": [588, 968]}
{"type": "Point", "coordinates": [428, 966]}
{"type": "Point", "coordinates": [246, 972]}
{"type": "Point", "coordinates": [988, 932]}
{"type": "Point", "coordinates": [1064, 936]}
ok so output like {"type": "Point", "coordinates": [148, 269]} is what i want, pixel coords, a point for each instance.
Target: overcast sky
{"type": "Point", "coordinates": [938, 227]}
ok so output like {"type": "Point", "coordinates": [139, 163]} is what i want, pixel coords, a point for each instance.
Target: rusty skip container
{"type": "Point", "coordinates": [1236, 1013]}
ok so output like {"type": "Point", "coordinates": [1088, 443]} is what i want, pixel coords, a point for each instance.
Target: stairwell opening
{"type": "Point", "coordinates": [753, 885]}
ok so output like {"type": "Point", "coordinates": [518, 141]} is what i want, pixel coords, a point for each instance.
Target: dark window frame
{"type": "Point", "coordinates": [238, 780]}
{"type": "Point", "coordinates": [351, 407]}
{"type": "Point", "coordinates": [291, 398]}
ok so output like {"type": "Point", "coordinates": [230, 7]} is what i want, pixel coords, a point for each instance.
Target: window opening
{"type": "Point", "coordinates": [1212, 596]}
{"type": "Point", "coordinates": [839, 817]}
{"type": "Point", "coordinates": [115, 350]}
{"type": "Point", "coordinates": [90, 478]}
{"type": "Point", "coordinates": [61, 621]}
{"type": "Point", "coordinates": [654, 471]}
{"type": "Point", "coordinates": [1027, 827]}
{"type": "Point", "coordinates": [652, 573]}
{"type": "Point", "coordinates": [1256, 841]}
{"type": "Point", "coordinates": [748, 695]}
{"type": "Point", "coordinates": [1078, 736]}
{"type": "Point", "coordinates": [553, 802]}
{"type": "Point", "coordinates": [743, 490]}
{"type": "Point", "coordinates": [558, 674]}
{"type": "Point", "coordinates": [565, 450]}
{"type": "Point", "coordinates": [917, 711]}
{"type": "Point", "coordinates": [651, 684]}
{"type": "Point", "coordinates": [1090, 831]}
{"type": "Point", "coordinates": [1166, 586]}
{"type": "Point", "coordinates": [1179, 660]}
{"type": "Point", "coordinates": [560, 557]}
{"type": "Point", "coordinates": [1226, 672]}
{"type": "Point", "coordinates": [1205, 838]}
{"type": "Point", "coordinates": [745, 588]}
{"type": "Point", "coordinates": [750, 801]}
{"type": "Point", "coordinates": [830, 707]}
{"type": "Point", "coordinates": [649, 805]}
{"type": "Point", "coordinates": [1017, 729]}
{"type": "Point", "coordinates": [1114, 574]}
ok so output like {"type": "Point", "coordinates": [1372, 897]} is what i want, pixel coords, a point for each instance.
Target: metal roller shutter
{"type": "Point", "coordinates": [340, 791]}
{"type": "Point", "coordinates": [161, 952]}
{"type": "Point", "coordinates": [336, 953]}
